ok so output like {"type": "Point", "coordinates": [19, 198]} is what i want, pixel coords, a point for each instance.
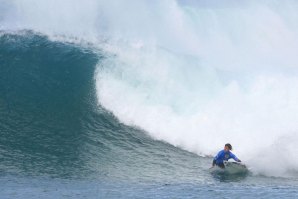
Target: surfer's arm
{"type": "Point", "coordinates": [235, 158]}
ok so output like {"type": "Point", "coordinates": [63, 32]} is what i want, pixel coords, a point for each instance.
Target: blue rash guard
{"type": "Point", "coordinates": [224, 155]}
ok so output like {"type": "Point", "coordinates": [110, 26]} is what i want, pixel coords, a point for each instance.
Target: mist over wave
{"type": "Point", "coordinates": [193, 74]}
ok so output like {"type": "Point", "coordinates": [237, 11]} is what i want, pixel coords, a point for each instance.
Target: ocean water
{"type": "Point", "coordinates": [115, 100]}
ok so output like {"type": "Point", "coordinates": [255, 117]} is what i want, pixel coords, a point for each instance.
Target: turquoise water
{"type": "Point", "coordinates": [53, 188]}
{"type": "Point", "coordinates": [57, 142]}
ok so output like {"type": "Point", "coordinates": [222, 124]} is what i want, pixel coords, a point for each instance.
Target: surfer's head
{"type": "Point", "coordinates": [228, 147]}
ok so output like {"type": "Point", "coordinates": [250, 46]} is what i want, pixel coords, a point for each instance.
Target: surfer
{"type": "Point", "coordinates": [224, 155]}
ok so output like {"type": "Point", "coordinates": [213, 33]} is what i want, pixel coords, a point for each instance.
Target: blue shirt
{"type": "Point", "coordinates": [224, 155]}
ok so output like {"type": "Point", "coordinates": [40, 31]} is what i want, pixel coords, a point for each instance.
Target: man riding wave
{"type": "Point", "coordinates": [224, 155]}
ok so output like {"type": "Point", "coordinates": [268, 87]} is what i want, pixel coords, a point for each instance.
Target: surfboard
{"type": "Point", "coordinates": [230, 168]}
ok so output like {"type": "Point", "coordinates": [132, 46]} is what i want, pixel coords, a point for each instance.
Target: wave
{"type": "Point", "coordinates": [193, 74]}
{"type": "Point", "coordinates": [52, 125]}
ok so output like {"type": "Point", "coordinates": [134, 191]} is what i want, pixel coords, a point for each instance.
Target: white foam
{"type": "Point", "coordinates": [239, 85]}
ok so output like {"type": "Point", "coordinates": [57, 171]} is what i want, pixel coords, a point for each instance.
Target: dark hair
{"type": "Point", "coordinates": [229, 146]}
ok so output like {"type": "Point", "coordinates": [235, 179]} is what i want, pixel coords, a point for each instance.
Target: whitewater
{"type": "Point", "coordinates": [183, 77]}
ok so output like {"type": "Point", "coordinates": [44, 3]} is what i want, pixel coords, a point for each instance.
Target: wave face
{"type": "Point", "coordinates": [45, 93]}
{"type": "Point", "coordinates": [190, 73]}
